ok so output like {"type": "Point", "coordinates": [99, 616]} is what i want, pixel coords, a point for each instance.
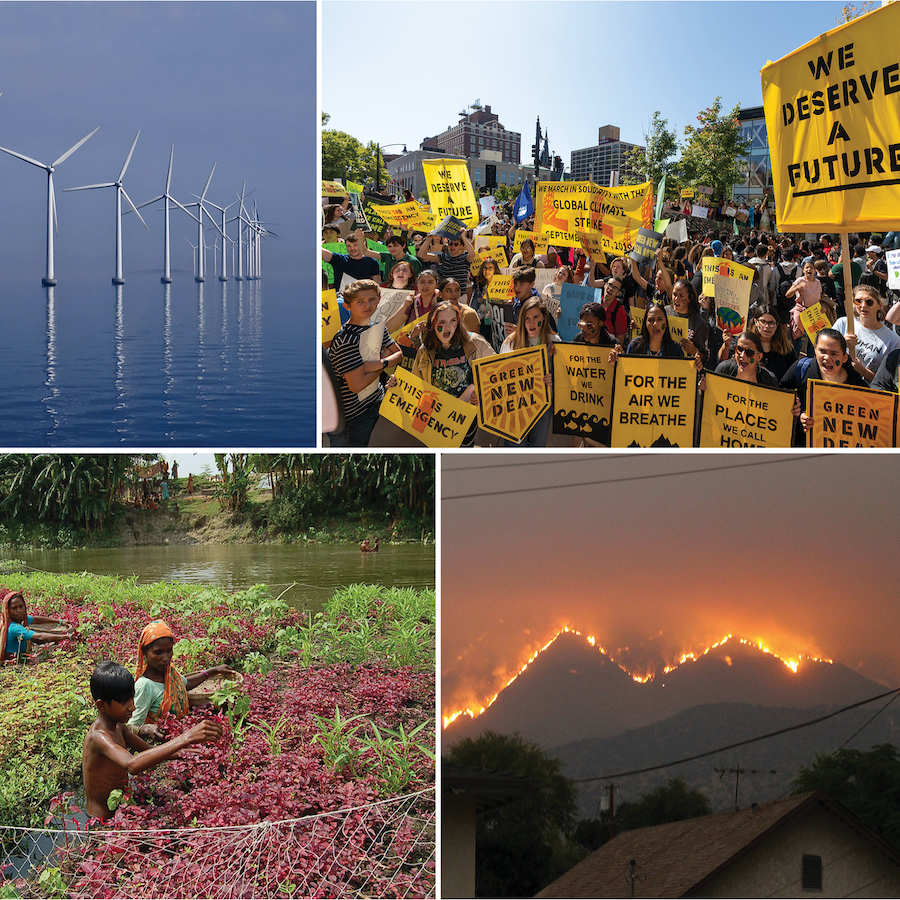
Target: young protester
{"type": "Point", "coordinates": [401, 276]}
{"type": "Point", "coordinates": [397, 251]}
{"type": "Point", "coordinates": [361, 391]}
{"type": "Point", "coordinates": [873, 340]}
{"type": "Point", "coordinates": [829, 363]}
{"type": "Point", "coordinates": [532, 329]}
{"type": "Point", "coordinates": [525, 257]}
{"type": "Point", "coordinates": [159, 688]}
{"type": "Point", "coordinates": [353, 263]}
{"type": "Point", "coordinates": [446, 356]}
{"type": "Point", "coordinates": [451, 263]}
{"type": "Point", "coordinates": [686, 305]}
{"type": "Point", "coordinates": [806, 292]}
{"type": "Point", "coordinates": [664, 280]}
{"type": "Point", "coordinates": [479, 302]}
{"type": "Point", "coordinates": [778, 349]}
{"type": "Point", "coordinates": [617, 318]}
{"type": "Point", "coordinates": [449, 290]}
{"type": "Point", "coordinates": [553, 291]}
{"type": "Point", "coordinates": [523, 290]}
{"type": "Point", "coordinates": [339, 217]}
{"type": "Point", "coordinates": [15, 631]}
{"type": "Point", "coordinates": [592, 327]}
{"type": "Point", "coordinates": [746, 364]}
{"type": "Point", "coordinates": [418, 303]}
{"type": "Point", "coordinates": [106, 758]}
{"type": "Point", "coordinates": [655, 340]}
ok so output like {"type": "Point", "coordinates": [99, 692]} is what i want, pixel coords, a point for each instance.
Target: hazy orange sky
{"type": "Point", "coordinates": [797, 550]}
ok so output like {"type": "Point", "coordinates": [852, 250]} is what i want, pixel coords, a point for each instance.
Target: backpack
{"type": "Point", "coordinates": [782, 301]}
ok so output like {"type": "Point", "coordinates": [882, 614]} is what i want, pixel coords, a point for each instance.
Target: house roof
{"type": "Point", "coordinates": [677, 858]}
{"type": "Point", "coordinates": [489, 788]}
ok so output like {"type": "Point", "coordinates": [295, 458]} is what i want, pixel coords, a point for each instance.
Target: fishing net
{"type": "Point", "coordinates": [382, 849]}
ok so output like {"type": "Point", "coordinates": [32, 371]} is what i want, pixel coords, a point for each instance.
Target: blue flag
{"type": "Point", "coordinates": [524, 206]}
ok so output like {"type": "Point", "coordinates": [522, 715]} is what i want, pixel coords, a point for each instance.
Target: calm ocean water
{"type": "Point", "coordinates": [217, 364]}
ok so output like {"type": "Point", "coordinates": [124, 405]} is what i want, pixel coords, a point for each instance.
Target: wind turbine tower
{"type": "Point", "coordinates": [120, 193]}
{"type": "Point", "coordinates": [49, 280]}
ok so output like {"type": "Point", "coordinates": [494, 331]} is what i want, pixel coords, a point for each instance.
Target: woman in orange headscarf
{"type": "Point", "coordinates": [159, 688]}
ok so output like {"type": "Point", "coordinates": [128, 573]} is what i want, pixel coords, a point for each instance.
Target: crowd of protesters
{"type": "Point", "coordinates": [791, 273]}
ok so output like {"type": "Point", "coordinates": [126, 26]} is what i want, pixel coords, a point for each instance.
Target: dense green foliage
{"type": "Point", "coordinates": [46, 708]}
{"type": "Point", "coordinates": [866, 782]}
{"type": "Point", "coordinates": [656, 158]}
{"type": "Point", "coordinates": [521, 846]}
{"type": "Point", "coordinates": [343, 156]}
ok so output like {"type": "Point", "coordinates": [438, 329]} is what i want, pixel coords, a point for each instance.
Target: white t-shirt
{"type": "Point", "coordinates": [871, 345]}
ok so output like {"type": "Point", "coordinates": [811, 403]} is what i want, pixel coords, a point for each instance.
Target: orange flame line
{"type": "Point", "coordinates": [792, 664]}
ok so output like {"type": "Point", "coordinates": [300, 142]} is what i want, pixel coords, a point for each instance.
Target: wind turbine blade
{"type": "Point", "coordinates": [169, 175]}
{"type": "Point", "coordinates": [128, 158]}
{"type": "Point", "coordinates": [184, 208]}
{"type": "Point", "coordinates": [27, 159]}
{"type": "Point", "coordinates": [208, 180]}
{"type": "Point", "coordinates": [53, 205]}
{"type": "Point", "coordinates": [125, 195]}
{"type": "Point", "coordinates": [90, 187]}
{"type": "Point", "coordinates": [154, 200]}
{"type": "Point", "coordinates": [68, 153]}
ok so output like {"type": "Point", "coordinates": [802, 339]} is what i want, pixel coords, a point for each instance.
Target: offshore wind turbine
{"type": "Point", "coordinates": [167, 197]}
{"type": "Point", "coordinates": [223, 210]}
{"type": "Point", "coordinates": [50, 278]}
{"type": "Point", "coordinates": [120, 193]}
{"type": "Point", "coordinates": [201, 210]}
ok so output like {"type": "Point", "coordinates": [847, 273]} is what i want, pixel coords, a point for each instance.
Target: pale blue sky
{"type": "Point", "coordinates": [578, 65]}
{"type": "Point", "coordinates": [226, 82]}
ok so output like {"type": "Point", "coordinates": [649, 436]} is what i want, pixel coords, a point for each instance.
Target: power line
{"type": "Point", "coordinates": [752, 740]}
{"type": "Point", "coordinates": [621, 479]}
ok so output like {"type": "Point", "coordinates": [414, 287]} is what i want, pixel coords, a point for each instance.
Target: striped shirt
{"type": "Point", "coordinates": [345, 357]}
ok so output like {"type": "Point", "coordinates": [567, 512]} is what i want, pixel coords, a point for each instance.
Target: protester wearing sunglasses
{"type": "Point", "coordinates": [873, 340]}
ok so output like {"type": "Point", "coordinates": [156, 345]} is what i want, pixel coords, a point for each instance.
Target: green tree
{"type": "Point", "coordinates": [854, 10]}
{"type": "Point", "coordinates": [866, 782]}
{"type": "Point", "coordinates": [712, 153]}
{"type": "Point", "coordinates": [657, 158]}
{"type": "Point", "coordinates": [671, 802]}
{"type": "Point", "coordinates": [235, 471]}
{"type": "Point", "coordinates": [343, 156]}
{"type": "Point", "coordinates": [520, 847]}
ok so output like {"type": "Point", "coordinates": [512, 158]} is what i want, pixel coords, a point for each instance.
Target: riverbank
{"type": "Point", "coordinates": [200, 519]}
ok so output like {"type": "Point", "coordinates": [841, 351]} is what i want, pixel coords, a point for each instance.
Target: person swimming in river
{"type": "Point", "coordinates": [15, 627]}
{"type": "Point", "coordinates": [366, 547]}
{"type": "Point", "coordinates": [159, 688]}
{"type": "Point", "coordinates": [107, 758]}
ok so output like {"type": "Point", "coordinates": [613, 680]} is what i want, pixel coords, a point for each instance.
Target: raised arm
{"type": "Point", "coordinates": [426, 252]}
{"type": "Point", "coordinates": [144, 759]}
{"type": "Point", "coordinates": [470, 248]}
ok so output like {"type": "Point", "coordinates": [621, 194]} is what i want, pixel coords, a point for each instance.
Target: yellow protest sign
{"type": "Point", "coordinates": [739, 414]}
{"type": "Point", "coordinates": [715, 265]}
{"type": "Point", "coordinates": [500, 287]}
{"type": "Point", "coordinates": [654, 402]}
{"type": "Point", "coordinates": [489, 241]}
{"type": "Point", "coordinates": [687, 193]}
{"type": "Point", "coordinates": [331, 317]}
{"type": "Point", "coordinates": [511, 392]}
{"type": "Point", "coordinates": [637, 318]}
{"type": "Point", "coordinates": [407, 216]}
{"type": "Point", "coordinates": [679, 327]}
{"type": "Point", "coordinates": [845, 416]}
{"type": "Point", "coordinates": [732, 299]}
{"type": "Point", "coordinates": [373, 218]}
{"type": "Point", "coordinates": [566, 209]}
{"type": "Point", "coordinates": [436, 418]}
{"type": "Point", "coordinates": [450, 190]}
{"type": "Point", "coordinates": [813, 321]}
{"type": "Point", "coordinates": [332, 189]}
{"type": "Point", "coordinates": [582, 391]}
{"type": "Point", "coordinates": [833, 122]}
{"type": "Point", "coordinates": [498, 254]}
{"type": "Point", "coordinates": [541, 242]}
{"type": "Point", "coordinates": [594, 245]}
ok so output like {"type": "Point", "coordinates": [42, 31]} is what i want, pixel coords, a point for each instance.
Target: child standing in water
{"type": "Point", "coordinates": [106, 758]}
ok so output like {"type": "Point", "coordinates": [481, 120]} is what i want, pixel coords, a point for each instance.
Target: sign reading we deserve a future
{"type": "Point", "coordinates": [833, 119]}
